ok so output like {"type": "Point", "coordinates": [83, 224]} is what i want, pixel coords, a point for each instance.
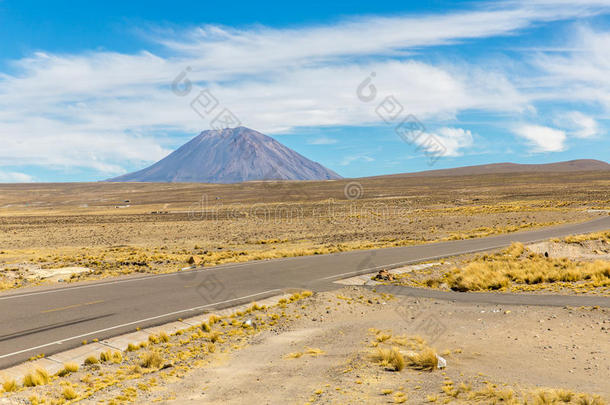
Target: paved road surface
{"type": "Point", "coordinates": [50, 320]}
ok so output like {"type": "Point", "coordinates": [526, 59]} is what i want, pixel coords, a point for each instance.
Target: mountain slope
{"type": "Point", "coordinates": [231, 155]}
{"type": "Point", "coordinates": [582, 165]}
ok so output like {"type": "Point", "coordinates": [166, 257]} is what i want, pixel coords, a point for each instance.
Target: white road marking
{"type": "Point", "coordinates": [58, 342]}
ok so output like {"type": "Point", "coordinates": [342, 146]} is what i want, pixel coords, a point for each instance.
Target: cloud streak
{"type": "Point", "coordinates": [543, 139]}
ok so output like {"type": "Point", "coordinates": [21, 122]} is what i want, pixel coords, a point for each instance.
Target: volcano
{"type": "Point", "coordinates": [231, 155]}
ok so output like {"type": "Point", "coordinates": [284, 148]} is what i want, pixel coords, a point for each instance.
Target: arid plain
{"type": "Point", "coordinates": [121, 228]}
{"type": "Point", "coordinates": [366, 341]}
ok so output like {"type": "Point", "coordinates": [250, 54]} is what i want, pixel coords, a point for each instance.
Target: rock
{"type": "Point", "coordinates": [384, 275]}
{"type": "Point", "coordinates": [441, 362]}
{"type": "Point", "coordinates": [194, 261]}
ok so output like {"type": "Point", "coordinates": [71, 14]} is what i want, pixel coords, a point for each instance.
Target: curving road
{"type": "Point", "coordinates": [50, 320]}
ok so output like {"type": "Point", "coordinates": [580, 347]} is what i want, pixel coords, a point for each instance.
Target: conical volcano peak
{"type": "Point", "coordinates": [231, 155]}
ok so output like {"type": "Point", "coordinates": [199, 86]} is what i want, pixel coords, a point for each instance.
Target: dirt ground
{"type": "Point", "coordinates": [523, 347]}
{"type": "Point", "coordinates": [492, 352]}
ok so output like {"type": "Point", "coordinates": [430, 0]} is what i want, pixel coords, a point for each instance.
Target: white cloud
{"type": "Point", "coordinates": [578, 124]}
{"type": "Point", "coordinates": [323, 140]}
{"type": "Point", "coordinates": [225, 50]}
{"type": "Point", "coordinates": [544, 139]}
{"type": "Point", "coordinates": [581, 73]}
{"type": "Point", "coordinates": [15, 177]}
{"type": "Point", "coordinates": [347, 160]}
{"type": "Point", "coordinates": [454, 140]}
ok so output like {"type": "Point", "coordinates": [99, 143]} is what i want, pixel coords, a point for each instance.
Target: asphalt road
{"type": "Point", "coordinates": [50, 320]}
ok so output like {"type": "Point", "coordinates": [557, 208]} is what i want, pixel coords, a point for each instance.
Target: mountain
{"type": "Point", "coordinates": [582, 165]}
{"type": "Point", "coordinates": [231, 155]}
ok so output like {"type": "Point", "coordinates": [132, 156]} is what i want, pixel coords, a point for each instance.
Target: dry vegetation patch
{"type": "Point", "coordinates": [518, 268]}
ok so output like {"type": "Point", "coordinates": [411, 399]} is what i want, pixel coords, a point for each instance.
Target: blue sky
{"type": "Point", "coordinates": [86, 88]}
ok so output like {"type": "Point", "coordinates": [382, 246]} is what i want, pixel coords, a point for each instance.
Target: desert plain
{"type": "Point", "coordinates": [365, 340]}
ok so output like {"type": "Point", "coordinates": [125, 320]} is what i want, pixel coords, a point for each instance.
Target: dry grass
{"type": "Point", "coordinates": [602, 236]}
{"type": "Point", "coordinates": [417, 355]}
{"type": "Point", "coordinates": [390, 358]}
{"type": "Point", "coordinates": [114, 357]}
{"type": "Point", "coordinates": [40, 376]}
{"type": "Point", "coordinates": [310, 351]}
{"type": "Point", "coordinates": [424, 360]}
{"type": "Point", "coordinates": [151, 359]}
{"type": "Point", "coordinates": [68, 393]}
{"type": "Point", "coordinates": [9, 385]}
{"type": "Point", "coordinates": [492, 394]}
{"type": "Point", "coordinates": [314, 351]}
{"type": "Point", "coordinates": [68, 369]}
{"type": "Point", "coordinates": [91, 360]}
{"type": "Point", "coordinates": [517, 266]}
{"type": "Point", "coordinates": [131, 347]}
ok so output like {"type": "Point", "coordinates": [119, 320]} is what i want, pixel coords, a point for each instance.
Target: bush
{"type": "Point", "coordinates": [40, 376]}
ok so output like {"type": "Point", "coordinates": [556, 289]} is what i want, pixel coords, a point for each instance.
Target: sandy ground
{"type": "Point", "coordinates": [527, 347]}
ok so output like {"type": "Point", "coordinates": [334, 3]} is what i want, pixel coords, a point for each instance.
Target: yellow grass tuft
{"type": "Point", "coordinates": [132, 347]}
{"type": "Point", "coordinates": [9, 385]}
{"type": "Point", "coordinates": [313, 351]}
{"type": "Point", "coordinates": [91, 360]}
{"type": "Point", "coordinates": [215, 337]}
{"type": "Point", "coordinates": [400, 397]}
{"type": "Point", "coordinates": [68, 393]}
{"type": "Point", "coordinates": [151, 359]}
{"type": "Point", "coordinates": [390, 358]}
{"type": "Point", "coordinates": [424, 360]}
{"type": "Point", "coordinates": [382, 337]}
{"type": "Point", "coordinates": [213, 319]}
{"type": "Point", "coordinates": [68, 368]}
{"type": "Point", "coordinates": [40, 376]}
{"type": "Point", "coordinates": [115, 357]}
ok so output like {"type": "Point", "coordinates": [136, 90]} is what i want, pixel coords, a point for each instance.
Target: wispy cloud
{"type": "Point", "coordinates": [347, 160]}
{"type": "Point", "coordinates": [543, 139]}
{"type": "Point", "coordinates": [15, 177]}
{"type": "Point", "coordinates": [580, 74]}
{"type": "Point", "coordinates": [578, 124]}
{"type": "Point", "coordinates": [322, 140]}
{"type": "Point", "coordinates": [454, 140]}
